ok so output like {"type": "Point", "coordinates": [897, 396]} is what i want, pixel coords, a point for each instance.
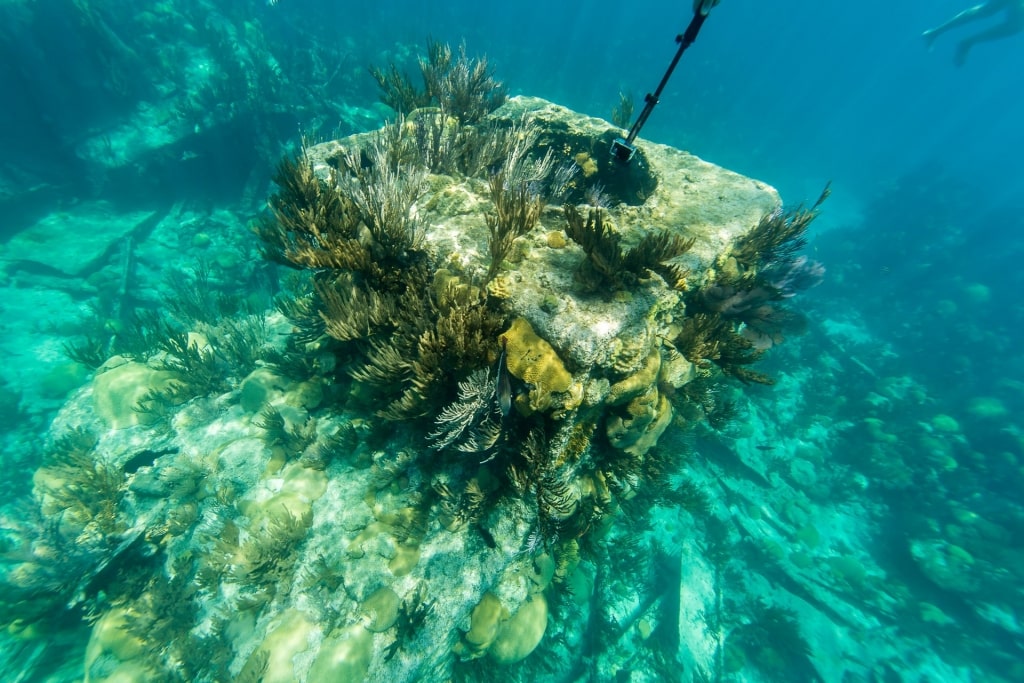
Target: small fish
{"type": "Point", "coordinates": [764, 447]}
{"type": "Point", "coordinates": [144, 458]}
{"type": "Point", "coordinates": [487, 536]}
{"type": "Point", "coordinates": [503, 385]}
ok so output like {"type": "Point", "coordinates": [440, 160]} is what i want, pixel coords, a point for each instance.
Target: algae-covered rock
{"type": "Point", "coordinates": [62, 379]}
{"type": "Point", "coordinates": [848, 569]}
{"type": "Point", "coordinates": [949, 566]}
{"type": "Point", "coordinates": [932, 614]}
{"type": "Point", "coordinates": [404, 560]}
{"type": "Point", "coordinates": [977, 293]}
{"type": "Point", "coordinates": [945, 424]}
{"type": "Point", "coordinates": [261, 388]}
{"type": "Point", "coordinates": [876, 429]}
{"type": "Point", "coordinates": [292, 502]}
{"type": "Point", "coordinates": [987, 408]}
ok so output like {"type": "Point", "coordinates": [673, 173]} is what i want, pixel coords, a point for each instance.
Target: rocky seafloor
{"type": "Point", "coordinates": [220, 509]}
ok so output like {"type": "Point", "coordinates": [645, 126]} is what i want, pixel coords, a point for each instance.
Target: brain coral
{"type": "Point", "coordinates": [534, 361]}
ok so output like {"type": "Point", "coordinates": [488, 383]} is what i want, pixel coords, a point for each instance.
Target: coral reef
{"type": "Point", "coordinates": [440, 394]}
{"type": "Point", "coordinates": [350, 482]}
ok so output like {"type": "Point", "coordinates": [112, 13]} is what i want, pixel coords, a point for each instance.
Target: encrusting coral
{"type": "Point", "coordinates": [646, 419]}
{"type": "Point", "coordinates": [638, 382]}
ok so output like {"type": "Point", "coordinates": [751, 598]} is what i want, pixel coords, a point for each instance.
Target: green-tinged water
{"type": "Point", "coordinates": [333, 352]}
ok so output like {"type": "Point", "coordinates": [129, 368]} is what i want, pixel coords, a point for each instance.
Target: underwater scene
{"type": "Point", "coordinates": [568, 342]}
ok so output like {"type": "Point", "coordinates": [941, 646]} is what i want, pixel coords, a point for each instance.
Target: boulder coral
{"type": "Point", "coordinates": [119, 389]}
{"type": "Point", "coordinates": [520, 634]}
{"type": "Point", "coordinates": [485, 621]}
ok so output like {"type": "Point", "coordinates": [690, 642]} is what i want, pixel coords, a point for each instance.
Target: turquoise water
{"type": "Point", "coordinates": [864, 520]}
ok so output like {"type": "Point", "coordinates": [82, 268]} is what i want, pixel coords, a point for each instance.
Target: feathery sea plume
{"type": "Point", "coordinates": [472, 423]}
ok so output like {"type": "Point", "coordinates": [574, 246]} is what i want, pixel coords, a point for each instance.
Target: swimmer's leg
{"type": "Point", "coordinates": [1013, 25]}
{"type": "Point", "coordinates": [986, 9]}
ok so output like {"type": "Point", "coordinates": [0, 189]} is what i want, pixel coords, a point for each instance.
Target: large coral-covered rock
{"type": "Point", "coordinates": [317, 539]}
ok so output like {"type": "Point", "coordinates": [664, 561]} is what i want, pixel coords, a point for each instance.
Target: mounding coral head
{"type": "Point", "coordinates": [533, 360]}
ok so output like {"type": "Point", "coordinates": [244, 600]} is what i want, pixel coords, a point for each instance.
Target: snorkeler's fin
{"type": "Point", "coordinates": [702, 7]}
{"type": "Point", "coordinates": [929, 39]}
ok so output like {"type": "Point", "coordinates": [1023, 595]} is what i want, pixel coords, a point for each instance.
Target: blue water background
{"type": "Point", "coordinates": [793, 94]}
